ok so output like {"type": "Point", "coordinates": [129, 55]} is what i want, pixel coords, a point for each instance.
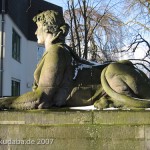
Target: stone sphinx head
{"type": "Point", "coordinates": [53, 23]}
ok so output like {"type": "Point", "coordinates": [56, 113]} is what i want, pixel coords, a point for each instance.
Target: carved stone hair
{"type": "Point", "coordinates": [53, 22]}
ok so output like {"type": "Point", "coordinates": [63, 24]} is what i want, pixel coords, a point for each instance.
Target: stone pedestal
{"type": "Point", "coordinates": [75, 130]}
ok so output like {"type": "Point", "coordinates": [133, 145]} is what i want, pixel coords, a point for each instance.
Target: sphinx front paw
{"type": "Point", "coordinates": [103, 102]}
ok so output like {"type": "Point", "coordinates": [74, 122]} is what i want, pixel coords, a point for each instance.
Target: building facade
{"type": "Point", "coordinates": [18, 51]}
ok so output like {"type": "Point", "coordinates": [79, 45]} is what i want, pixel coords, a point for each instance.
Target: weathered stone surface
{"type": "Point", "coordinates": [75, 130]}
{"type": "Point", "coordinates": [121, 117]}
{"type": "Point", "coordinates": [45, 117]}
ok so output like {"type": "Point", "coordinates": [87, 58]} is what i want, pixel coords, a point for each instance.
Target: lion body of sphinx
{"type": "Point", "coordinates": [118, 84]}
{"type": "Point", "coordinates": [86, 86]}
{"type": "Point", "coordinates": [127, 87]}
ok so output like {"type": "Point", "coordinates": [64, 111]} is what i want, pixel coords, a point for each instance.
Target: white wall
{"type": "Point", "coordinates": [22, 71]}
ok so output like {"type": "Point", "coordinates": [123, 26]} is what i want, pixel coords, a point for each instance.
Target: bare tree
{"type": "Point", "coordinates": [94, 31]}
{"type": "Point", "coordinates": [139, 53]}
{"type": "Point", "coordinates": [139, 14]}
{"type": "Point", "coordinates": [137, 20]}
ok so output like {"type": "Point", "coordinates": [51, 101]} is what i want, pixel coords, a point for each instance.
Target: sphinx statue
{"type": "Point", "coordinates": [60, 83]}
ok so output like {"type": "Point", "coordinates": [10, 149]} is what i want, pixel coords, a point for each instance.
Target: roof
{"type": "Point", "coordinates": [22, 12]}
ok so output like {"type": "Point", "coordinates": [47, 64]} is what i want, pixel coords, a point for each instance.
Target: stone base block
{"type": "Point", "coordinates": [74, 130]}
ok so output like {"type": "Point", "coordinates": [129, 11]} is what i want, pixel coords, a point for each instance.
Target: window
{"type": "Point", "coordinates": [15, 87]}
{"type": "Point", "coordinates": [15, 46]}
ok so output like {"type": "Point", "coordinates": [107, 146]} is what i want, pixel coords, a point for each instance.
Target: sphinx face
{"type": "Point", "coordinates": [40, 33]}
{"type": "Point", "coordinates": [43, 36]}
